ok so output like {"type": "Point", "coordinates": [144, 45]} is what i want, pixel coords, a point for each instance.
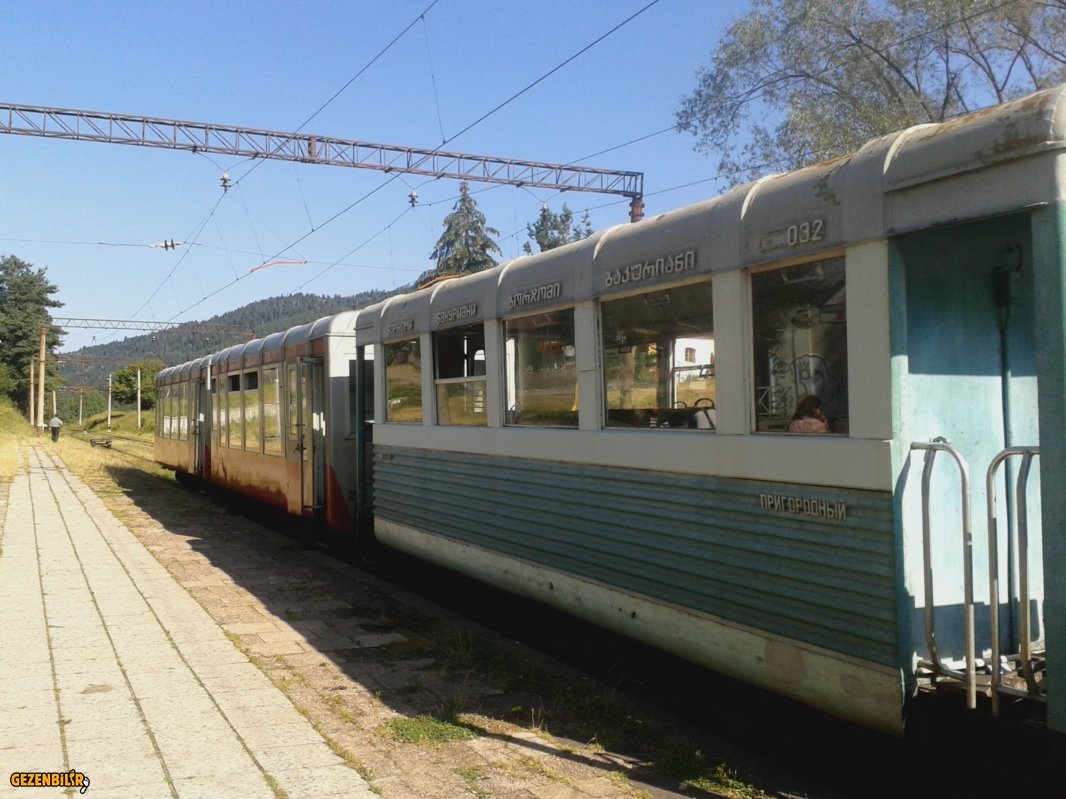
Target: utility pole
{"type": "Point", "coordinates": [40, 388]}
{"type": "Point", "coordinates": [109, 403]}
{"type": "Point", "coordinates": [33, 380]}
{"type": "Point", "coordinates": [138, 398]}
{"type": "Point", "coordinates": [81, 392]}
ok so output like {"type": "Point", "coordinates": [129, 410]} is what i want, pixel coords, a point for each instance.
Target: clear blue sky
{"type": "Point", "coordinates": [66, 205]}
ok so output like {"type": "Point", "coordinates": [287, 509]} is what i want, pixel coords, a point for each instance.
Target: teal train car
{"type": "Point", "coordinates": [791, 433]}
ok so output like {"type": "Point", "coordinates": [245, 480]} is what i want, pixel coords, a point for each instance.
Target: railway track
{"type": "Point", "coordinates": [139, 449]}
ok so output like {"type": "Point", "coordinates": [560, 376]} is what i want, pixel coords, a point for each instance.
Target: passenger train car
{"type": "Point", "coordinates": [611, 427]}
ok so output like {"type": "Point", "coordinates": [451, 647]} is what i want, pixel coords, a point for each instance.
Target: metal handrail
{"type": "Point", "coordinates": [970, 676]}
{"type": "Point", "coordinates": [1024, 616]}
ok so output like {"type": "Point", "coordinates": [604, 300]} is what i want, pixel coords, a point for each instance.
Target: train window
{"type": "Point", "coordinates": [460, 375]}
{"type": "Point", "coordinates": [164, 406]}
{"type": "Point", "coordinates": [800, 348]}
{"type": "Point", "coordinates": [293, 396]}
{"type": "Point", "coordinates": [658, 359]}
{"type": "Point", "coordinates": [183, 412]}
{"type": "Point", "coordinates": [219, 401]}
{"type": "Point", "coordinates": [235, 411]}
{"type": "Point", "coordinates": [271, 410]}
{"type": "Point", "coordinates": [252, 419]}
{"type": "Point", "coordinates": [403, 381]}
{"type": "Point", "coordinates": [541, 372]}
{"type": "Point", "coordinates": [172, 407]}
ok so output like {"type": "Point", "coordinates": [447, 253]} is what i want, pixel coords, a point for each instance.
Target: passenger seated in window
{"type": "Point", "coordinates": [808, 417]}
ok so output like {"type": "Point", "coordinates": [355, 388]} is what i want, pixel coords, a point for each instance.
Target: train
{"type": "Point", "coordinates": [791, 433]}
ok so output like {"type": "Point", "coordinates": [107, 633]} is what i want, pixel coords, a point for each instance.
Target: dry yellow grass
{"type": "Point", "coordinates": [13, 428]}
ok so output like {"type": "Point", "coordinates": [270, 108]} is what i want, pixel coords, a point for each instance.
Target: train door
{"type": "Point", "coordinates": [310, 429]}
{"type": "Point", "coordinates": [363, 428]}
{"type": "Point", "coordinates": [968, 337]}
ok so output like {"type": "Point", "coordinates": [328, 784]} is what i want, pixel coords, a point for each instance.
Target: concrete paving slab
{"type": "Point", "coordinates": [40, 756]}
{"type": "Point", "coordinates": [119, 673]}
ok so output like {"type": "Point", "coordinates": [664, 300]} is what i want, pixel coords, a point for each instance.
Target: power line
{"type": "Point", "coordinates": [351, 80]}
{"type": "Point", "coordinates": [374, 191]}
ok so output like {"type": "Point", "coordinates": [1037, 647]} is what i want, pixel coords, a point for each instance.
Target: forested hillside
{"type": "Point", "coordinates": [184, 343]}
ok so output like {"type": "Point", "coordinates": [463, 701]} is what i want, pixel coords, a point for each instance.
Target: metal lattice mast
{"type": "Point", "coordinates": [172, 134]}
{"type": "Point", "coordinates": [134, 324]}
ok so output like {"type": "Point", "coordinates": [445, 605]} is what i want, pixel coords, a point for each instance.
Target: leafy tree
{"type": "Point", "coordinates": [466, 244]}
{"type": "Point", "coordinates": [8, 381]}
{"type": "Point", "coordinates": [25, 297]}
{"type": "Point", "coordinates": [89, 403]}
{"type": "Point", "coordinates": [553, 230]}
{"type": "Point", "coordinates": [124, 383]}
{"type": "Point", "coordinates": [800, 81]}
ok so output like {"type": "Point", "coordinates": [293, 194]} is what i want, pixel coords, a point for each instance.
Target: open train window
{"type": "Point", "coordinates": [460, 375]}
{"type": "Point", "coordinates": [800, 348]}
{"type": "Point", "coordinates": [658, 359]}
{"type": "Point", "coordinates": [403, 381]}
{"type": "Point", "coordinates": [541, 371]}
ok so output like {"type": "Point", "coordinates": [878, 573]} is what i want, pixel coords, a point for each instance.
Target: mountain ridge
{"type": "Point", "coordinates": [190, 340]}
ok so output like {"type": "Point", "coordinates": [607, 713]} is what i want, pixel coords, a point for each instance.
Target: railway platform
{"type": "Point", "coordinates": [116, 683]}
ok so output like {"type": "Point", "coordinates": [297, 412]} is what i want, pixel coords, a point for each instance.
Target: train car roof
{"type": "Point", "coordinates": [398, 316]}
{"type": "Point", "coordinates": [299, 335]}
{"type": "Point", "coordinates": [555, 277]}
{"type": "Point", "coordinates": [338, 324]}
{"type": "Point", "coordinates": [252, 353]}
{"type": "Point", "coordinates": [454, 303]}
{"type": "Point", "coordinates": [232, 356]}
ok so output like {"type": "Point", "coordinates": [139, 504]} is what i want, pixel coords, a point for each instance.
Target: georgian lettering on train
{"type": "Point", "coordinates": [663, 266]}
{"type": "Point", "coordinates": [535, 296]}
{"type": "Point", "coordinates": [456, 314]}
{"type": "Point", "coordinates": [396, 328]}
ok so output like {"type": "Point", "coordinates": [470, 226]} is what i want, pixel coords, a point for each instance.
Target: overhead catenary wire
{"type": "Point", "coordinates": [433, 78]}
{"type": "Point", "coordinates": [447, 141]}
{"type": "Point", "coordinates": [303, 124]}
{"type": "Point", "coordinates": [350, 81]}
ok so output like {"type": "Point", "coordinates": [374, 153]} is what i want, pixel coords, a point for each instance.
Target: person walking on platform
{"type": "Point", "coordinates": [55, 424]}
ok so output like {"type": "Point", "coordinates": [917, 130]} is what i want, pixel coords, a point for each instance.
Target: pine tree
{"type": "Point", "coordinates": [25, 297]}
{"type": "Point", "coordinates": [553, 230]}
{"type": "Point", "coordinates": [466, 244]}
